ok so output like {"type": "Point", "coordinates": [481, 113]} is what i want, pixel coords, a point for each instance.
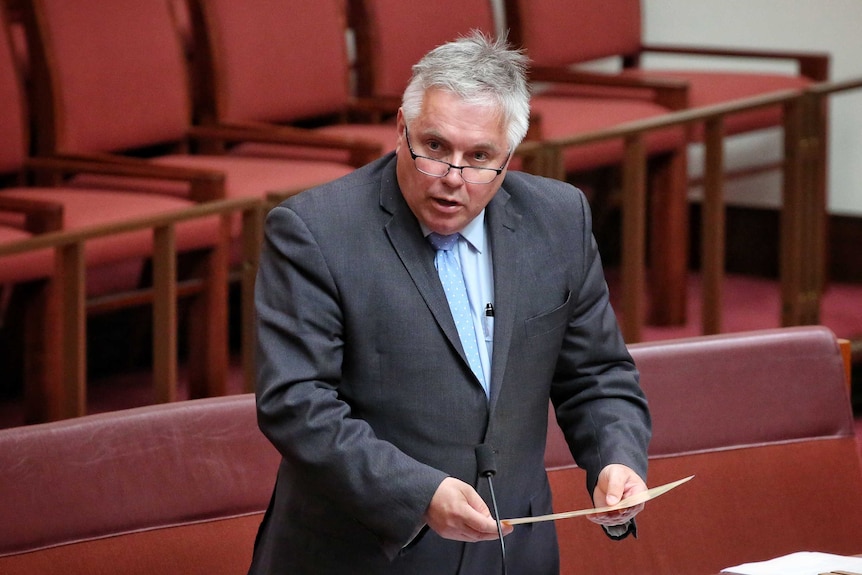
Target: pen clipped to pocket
{"type": "Point", "coordinates": [488, 322]}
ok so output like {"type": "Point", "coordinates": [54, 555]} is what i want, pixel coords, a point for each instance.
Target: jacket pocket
{"type": "Point", "coordinates": [550, 321]}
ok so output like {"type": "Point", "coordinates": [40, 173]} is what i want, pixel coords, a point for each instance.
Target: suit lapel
{"type": "Point", "coordinates": [417, 256]}
{"type": "Point", "coordinates": [502, 222]}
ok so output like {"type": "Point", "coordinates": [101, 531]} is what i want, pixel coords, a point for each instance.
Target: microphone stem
{"type": "Point", "coordinates": [499, 524]}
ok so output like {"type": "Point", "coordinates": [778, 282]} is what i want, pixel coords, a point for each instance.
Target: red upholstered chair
{"type": "Point", "coordinates": [559, 34]}
{"type": "Point", "coordinates": [263, 65]}
{"type": "Point", "coordinates": [561, 37]}
{"type": "Point", "coordinates": [114, 263]}
{"type": "Point", "coordinates": [392, 35]}
{"type": "Point", "coordinates": [111, 81]}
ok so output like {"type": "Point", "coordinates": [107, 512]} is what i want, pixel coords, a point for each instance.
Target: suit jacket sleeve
{"type": "Point", "coordinates": [300, 347]}
{"type": "Point", "coordinates": [596, 392]}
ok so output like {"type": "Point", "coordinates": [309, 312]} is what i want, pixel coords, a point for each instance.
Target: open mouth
{"type": "Point", "coordinates": [446, 203]}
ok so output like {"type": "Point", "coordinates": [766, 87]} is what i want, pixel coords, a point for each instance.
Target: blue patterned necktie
{"type": "Point", "coordinates": [452, 279]}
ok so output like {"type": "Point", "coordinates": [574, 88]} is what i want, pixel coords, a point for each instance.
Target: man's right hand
{"type": "Point", "coordinates": [458, 512]}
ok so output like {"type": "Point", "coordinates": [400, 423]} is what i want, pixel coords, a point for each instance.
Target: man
{"type": "Point", "coordinates": [375, 400]}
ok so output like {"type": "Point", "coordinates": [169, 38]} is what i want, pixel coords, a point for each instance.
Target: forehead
{"type": "Point", "coordinates": [446, 116]}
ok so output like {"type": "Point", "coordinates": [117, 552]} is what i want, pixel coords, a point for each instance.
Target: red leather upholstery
{"type": "Point", "coordinates": [398, 34]}
{"type": "Point", "coordinates": [565, 116]}
{"type": "Point", "coordinates": [602, 28]}
{"type": "Point", "coordinates": [173, 488]}
{"type": "Point", "coordinates": [763, 421]}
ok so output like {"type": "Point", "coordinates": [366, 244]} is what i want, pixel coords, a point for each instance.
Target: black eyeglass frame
{"type": "Point", "coordinates": [414, 156]}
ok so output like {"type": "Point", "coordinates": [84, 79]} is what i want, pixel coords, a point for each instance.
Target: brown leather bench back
{"type": "Point", "coordinates": [172, 488]}
{"type": "Point", "coordinates": [763, 421]}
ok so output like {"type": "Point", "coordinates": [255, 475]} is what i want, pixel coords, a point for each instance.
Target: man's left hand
{"type": "Point", "coordinates": [616, 482]}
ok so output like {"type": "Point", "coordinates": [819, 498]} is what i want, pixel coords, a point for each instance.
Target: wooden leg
{"type": "Point", "coordinates": [792, 215]}
{"type": "Point", "coordinates": [713, 227]}
{"type": "Point", "coordinates": [669, 241]}
{"type": "Point", "coordinates": [165, 314]}
{"type": "Point", "coordinates": [252, 237]}
{"type": "Point", "coordinates": [634, 238]}
{"type": "Point", "coordinates": [208, 321]}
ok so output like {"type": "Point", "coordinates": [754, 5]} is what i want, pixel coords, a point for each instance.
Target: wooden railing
{"type": "Point", "coordinates": [803, 209]}
{"type": "Point", "coordinates": [63, 389]}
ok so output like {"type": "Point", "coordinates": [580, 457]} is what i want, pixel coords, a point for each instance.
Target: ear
{"type": "Point", "coordinates": [400, 125]}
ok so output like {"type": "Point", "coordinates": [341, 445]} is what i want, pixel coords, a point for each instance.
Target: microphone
{"type": "Point", "coordinates": [487, 466]}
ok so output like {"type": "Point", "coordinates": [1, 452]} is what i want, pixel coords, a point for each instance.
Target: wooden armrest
{"type": "Point", "coordinates": [833, 87]}
{"type": "Point", "coordinates": [668, 92]}
{"type": "Point", "coordinates": [361, 151]}
{"type": "Point", "coordinates": [813, 65]}
{"type": "Point", "coordinates": [40, 216]}
{"type": "Point", "coordinates": [205, 185]}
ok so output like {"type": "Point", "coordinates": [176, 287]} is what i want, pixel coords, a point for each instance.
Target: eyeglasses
{"type": "Point", "coordinates": [439, 168]}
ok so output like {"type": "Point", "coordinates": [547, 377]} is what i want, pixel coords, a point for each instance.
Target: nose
{"type": "Point", "coordinates": [454, 177]}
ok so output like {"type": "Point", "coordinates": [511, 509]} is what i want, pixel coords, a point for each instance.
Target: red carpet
{"type": "Point", "coordinates": [753, 303]}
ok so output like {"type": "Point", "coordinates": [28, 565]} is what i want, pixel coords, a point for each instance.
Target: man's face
{"type": "Point", "coordinates": [464, 135]}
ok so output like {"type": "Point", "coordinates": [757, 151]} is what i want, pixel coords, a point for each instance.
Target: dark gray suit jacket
{"type": "Point", "coordinates": [364, 389]}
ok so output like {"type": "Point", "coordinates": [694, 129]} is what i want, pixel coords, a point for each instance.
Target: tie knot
{"type": "Point", "coordinates": [441, 242]}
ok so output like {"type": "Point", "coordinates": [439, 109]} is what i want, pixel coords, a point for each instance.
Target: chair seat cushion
{"type": "Point", "coordinates": [706, 88]}
{"type": "Point", "coordinates": [244, 177]}
{"type": "Point", "coordinates": [562, 116]}
{"type": "Point", "coordinates": [85, 208]}
{"type": "Point", "coordinates": [25, 266]}
{"type": "Point", "coordinates": [715, 87]}
{"type": "Point", "coordinates": [258, 177]}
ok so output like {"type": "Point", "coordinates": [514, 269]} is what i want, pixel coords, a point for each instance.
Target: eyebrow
{"type": "Point", "coordinates": [489, 147]}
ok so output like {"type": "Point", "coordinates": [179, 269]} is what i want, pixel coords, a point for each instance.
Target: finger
{"type": "Point", "coordinates": [616, 517]}
{"type": "Point", "coordinates": [615, 488]}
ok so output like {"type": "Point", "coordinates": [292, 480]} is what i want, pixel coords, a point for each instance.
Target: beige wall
{"type": "Point", "coordinates": [833, 26]}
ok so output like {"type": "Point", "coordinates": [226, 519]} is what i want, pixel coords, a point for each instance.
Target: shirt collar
{"type": "Point", "coordinates": [473, 232]}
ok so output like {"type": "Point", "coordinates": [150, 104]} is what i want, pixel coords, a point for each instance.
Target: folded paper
{"type": "Point", "coordinates": [631, 501]}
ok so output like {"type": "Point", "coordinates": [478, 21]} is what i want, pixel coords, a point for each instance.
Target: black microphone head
{"type": "Point", "coordinates": [486, 463]}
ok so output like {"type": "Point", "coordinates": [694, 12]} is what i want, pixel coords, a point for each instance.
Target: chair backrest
{"type": "Point", "coordinates": [392, 35]}
{"type": "Point", "coordinates": [561, 32]}
{"type": "Point", "coordinates": [180, 484]}
{"type": "Point", "coordinates": [13, 124]}
{"type": "Point", "coordinates": [270, 60]}
{"type": "Point", "coordinates": [108, 75]}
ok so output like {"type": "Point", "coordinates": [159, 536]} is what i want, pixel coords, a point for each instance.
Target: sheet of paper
{"type": "Point", "coordinates": [802, 563]}
{"type": "Point", "coordinates": [636, 499]}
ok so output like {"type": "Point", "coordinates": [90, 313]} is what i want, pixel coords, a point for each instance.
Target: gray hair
{"type": "Point", "coordinates": [480, 70]}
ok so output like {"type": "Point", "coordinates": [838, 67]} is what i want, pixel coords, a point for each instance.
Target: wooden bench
{"type": "Point", "coordinates": [763, 420]}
